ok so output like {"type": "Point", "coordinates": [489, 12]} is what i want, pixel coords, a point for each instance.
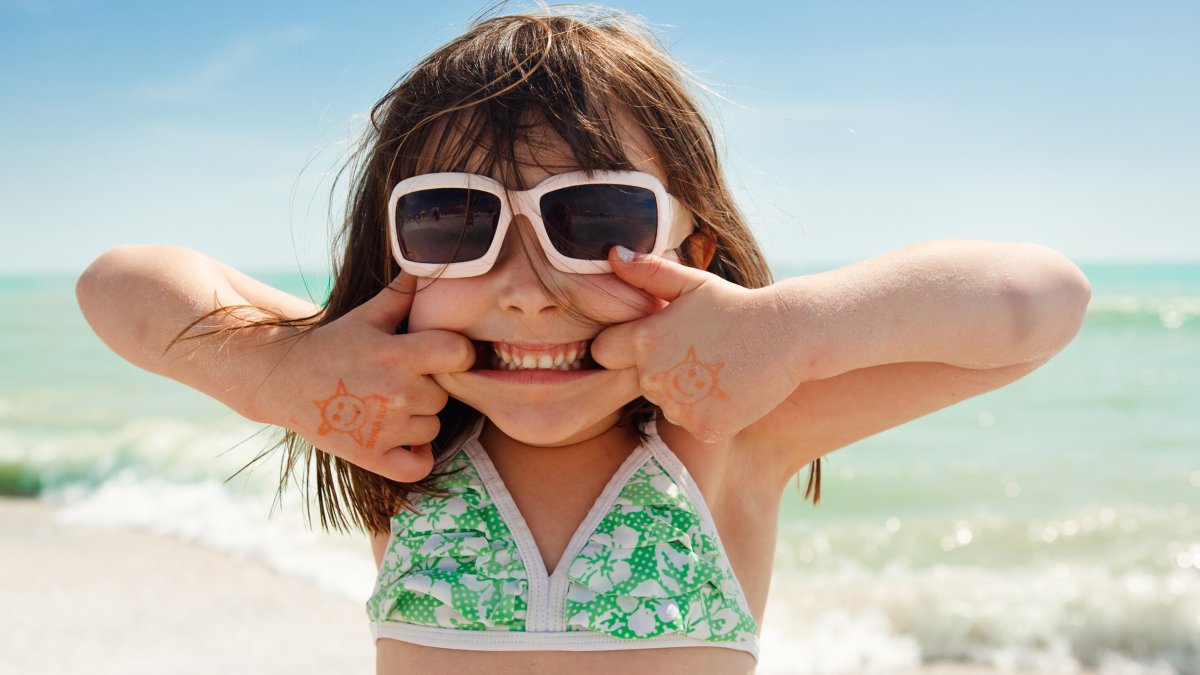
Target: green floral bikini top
{"type": "Point", "coordinates": [645, 569]}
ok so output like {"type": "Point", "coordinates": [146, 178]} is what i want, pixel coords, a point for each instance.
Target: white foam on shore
{"type": "Point", "coordinates": [207, 514]}
{"type": "Point", "coordinates": [1050, 618]}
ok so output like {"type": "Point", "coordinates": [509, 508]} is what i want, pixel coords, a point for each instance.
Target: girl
{"type": "Point", "coordinates": [553, 380]}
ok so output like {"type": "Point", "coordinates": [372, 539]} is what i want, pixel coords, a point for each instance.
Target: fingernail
{"type": "Point", "coordinates": [624, 254]}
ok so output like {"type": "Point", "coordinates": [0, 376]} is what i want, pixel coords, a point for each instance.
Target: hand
{"type": "Point", "coordinates": [357, 390]}
{"type": "Point", "coordinates": [715, 357]}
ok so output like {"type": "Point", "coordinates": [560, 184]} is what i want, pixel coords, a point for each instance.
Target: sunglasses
{"type": "Point", "coordinates": [453, 224]}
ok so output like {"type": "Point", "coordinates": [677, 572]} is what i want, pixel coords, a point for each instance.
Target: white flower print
{"type": "Point", "coordinates": [642, 622]}
{"type": "Point", "coordinates": [668, 612]}
{"type": "Point", "coordinates": [649, 587]}
{"type": "Point", "coordinates": [664, 484]}
{"type": "Point", "coordinates": [601, 567]}
{"type": "Point", "coordinates": [625, 536]}
{"type": "Point", "coordinates": [439, 514]}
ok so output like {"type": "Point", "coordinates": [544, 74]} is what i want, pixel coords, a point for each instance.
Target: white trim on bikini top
{"type": "Point", "coordinates": [546, 629]}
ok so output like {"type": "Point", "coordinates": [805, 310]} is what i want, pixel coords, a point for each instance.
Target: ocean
{"type": "Point", "coordinates": [1051, 525]}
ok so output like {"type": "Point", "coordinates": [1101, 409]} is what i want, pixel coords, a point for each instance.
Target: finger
{"type": "Point", "coordinates": [662, 278]}
{"type": "Point", "coordinates": [413, 461]}
{"type": "Point", "coordinates": [425, 397]}
{"type": "Point", "coordinates": [613, 347]}
{"type": "Point", "coordinates": [407, 464]}
{"type": "Point", "coordinates": [439, 351]}
{"type": "Point", "coordinates": [390, 306]}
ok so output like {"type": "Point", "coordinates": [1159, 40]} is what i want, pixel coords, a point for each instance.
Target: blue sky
{"type": "Point", "coordinates": [850, 128]}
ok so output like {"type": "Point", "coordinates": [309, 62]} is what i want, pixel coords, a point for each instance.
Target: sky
{"type": "Point", "coordinates": [848, 129]}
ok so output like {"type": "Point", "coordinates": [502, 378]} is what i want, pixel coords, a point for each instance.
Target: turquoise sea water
{"type": "Point", "coordinates": [1052, 524]}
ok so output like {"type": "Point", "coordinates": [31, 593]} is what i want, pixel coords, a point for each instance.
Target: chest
{"type": "Point", "coordinates": [745, 514]}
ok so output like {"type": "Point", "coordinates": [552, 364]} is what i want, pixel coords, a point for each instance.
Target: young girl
{"type": "Point", "coordinates": [553, 380]}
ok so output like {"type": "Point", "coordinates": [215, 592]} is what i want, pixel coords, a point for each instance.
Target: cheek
{"type": "Point", "coordinates": [439, 305]}
{"type": "Point", "coordinates": [609, 300]}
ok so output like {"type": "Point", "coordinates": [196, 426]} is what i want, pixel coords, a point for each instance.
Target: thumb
{"type": "Point", "coordinates": [390, 306]}
{"type": "Point", "coordinates": [612, 348]}
{"type": "Point", "coordinates": [664, 279]}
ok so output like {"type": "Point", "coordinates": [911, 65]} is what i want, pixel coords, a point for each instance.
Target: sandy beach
{"type": "Point", "coordinates": [115, 601]}
{"type": "Point", "coordinates": [121, 601]}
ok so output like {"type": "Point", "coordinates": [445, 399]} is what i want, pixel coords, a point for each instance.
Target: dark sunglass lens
{"type": "Point", "coordinates": [446, 225]}
{"type": "Point", "coordinates": [585, 221]}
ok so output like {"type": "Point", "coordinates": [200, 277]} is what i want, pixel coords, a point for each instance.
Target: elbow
{"type": "Point", "coordinates": [89, 288]}
{"type": "Point", "coordinates": [95, 283]}
{"type": "Point", "coordinates": [1050, 303]}
{"type": "Point", "coordinates": [109, 288]}
{"type": "Point", "coordinates": [1067, 289]}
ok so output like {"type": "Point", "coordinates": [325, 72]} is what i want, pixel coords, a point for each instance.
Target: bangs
{"type": "Point", "coordinates": [500, 137]}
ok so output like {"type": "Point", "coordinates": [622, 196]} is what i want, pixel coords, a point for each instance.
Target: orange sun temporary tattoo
{"type": "Point", "coordinates": [352, 414]}
{"type": "Point", "coordinates": [689, 382]}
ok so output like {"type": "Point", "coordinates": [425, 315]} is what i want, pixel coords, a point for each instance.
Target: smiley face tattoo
{"type": "Point", "coordinates": [360, 417]}
{"type": "Point", "coordinates": [688, 382]}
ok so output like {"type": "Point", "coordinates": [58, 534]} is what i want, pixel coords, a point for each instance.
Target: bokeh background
{"type": "Point", "coordinates": [1051, 526]}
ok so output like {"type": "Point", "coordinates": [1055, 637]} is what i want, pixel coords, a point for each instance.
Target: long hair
{"type": "Point", "coordinates": [464, 108]}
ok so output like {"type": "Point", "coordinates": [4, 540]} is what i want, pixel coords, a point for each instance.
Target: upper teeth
{"type": "Point", "coordinates": [558, 357]}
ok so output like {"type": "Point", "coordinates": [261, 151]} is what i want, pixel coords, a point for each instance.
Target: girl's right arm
{"type": "Point", "coordinates": [139, 298]}
{"type": "Point", "coordinates": [351, 387]}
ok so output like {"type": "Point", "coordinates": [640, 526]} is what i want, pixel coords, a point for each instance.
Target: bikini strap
{"type": "Point", "coordinates": [650, 428]}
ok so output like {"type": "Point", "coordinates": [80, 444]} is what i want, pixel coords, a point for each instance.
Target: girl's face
{"type": "Point", "coordinates": [508, 310]}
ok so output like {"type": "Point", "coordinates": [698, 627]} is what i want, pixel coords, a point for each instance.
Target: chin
{"type": "Point", "coordinates": [547, 427]}
{"type": "Point", "coordinates": [546, 432]}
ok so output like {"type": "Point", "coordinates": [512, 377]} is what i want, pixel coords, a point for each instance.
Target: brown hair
{"type": "Point", "coordinates": [464, 108]}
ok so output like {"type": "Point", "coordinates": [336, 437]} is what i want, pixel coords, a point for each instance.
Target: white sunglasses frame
{"type": "Point", "coordinates": [675, 221]}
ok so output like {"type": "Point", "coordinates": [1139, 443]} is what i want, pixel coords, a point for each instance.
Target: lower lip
{"type": "Point", "coordinates": [535, 376]}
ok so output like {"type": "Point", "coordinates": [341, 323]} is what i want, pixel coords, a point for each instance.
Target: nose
{"type": "Point", "coordinates": [520, 288]}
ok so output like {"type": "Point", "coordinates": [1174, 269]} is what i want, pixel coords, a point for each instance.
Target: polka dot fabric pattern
{"type": "Point", "coordinates": [649, 569]}
{"type": "Point", "coordinates": [454, 564]}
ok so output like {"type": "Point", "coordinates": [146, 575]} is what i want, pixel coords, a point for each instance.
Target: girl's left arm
{"type": "Point", "coordinates": [971, 304]}
{"type": "Point", "coordinates": [813, 363]}
{"type": "Point", "coordinates": [901, 335]}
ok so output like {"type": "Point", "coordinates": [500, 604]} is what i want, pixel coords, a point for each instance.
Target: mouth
{"type": "Point", "coordinates": [528, 356]}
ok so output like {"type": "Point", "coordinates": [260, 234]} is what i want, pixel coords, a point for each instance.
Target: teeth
{"type": "Point", "coordinates": [507, 357]}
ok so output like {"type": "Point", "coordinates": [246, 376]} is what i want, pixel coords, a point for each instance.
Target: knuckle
{"type": "Point", "coordinates": [395, 358]}
{"type": "Point", "coordinates": [642, 337]}
{"type": "Point", "coordinates": [654, 265]}
{"type": "Point", "coordinates": [439, 398]}
{"type": "Point", "coordinates": [402, 400]}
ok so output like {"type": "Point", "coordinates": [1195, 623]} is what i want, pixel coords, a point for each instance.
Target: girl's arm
{"type": "Point", "coordinates": [810, 364]}
{"type": "Point", "coordinates": [139, 298]}
{"type": "Point", "coordinates": [896, 337]}
{"type": "Point", "coordinates": [352, 386]}
{"type": "Point", "coordinates": [971, 304]}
